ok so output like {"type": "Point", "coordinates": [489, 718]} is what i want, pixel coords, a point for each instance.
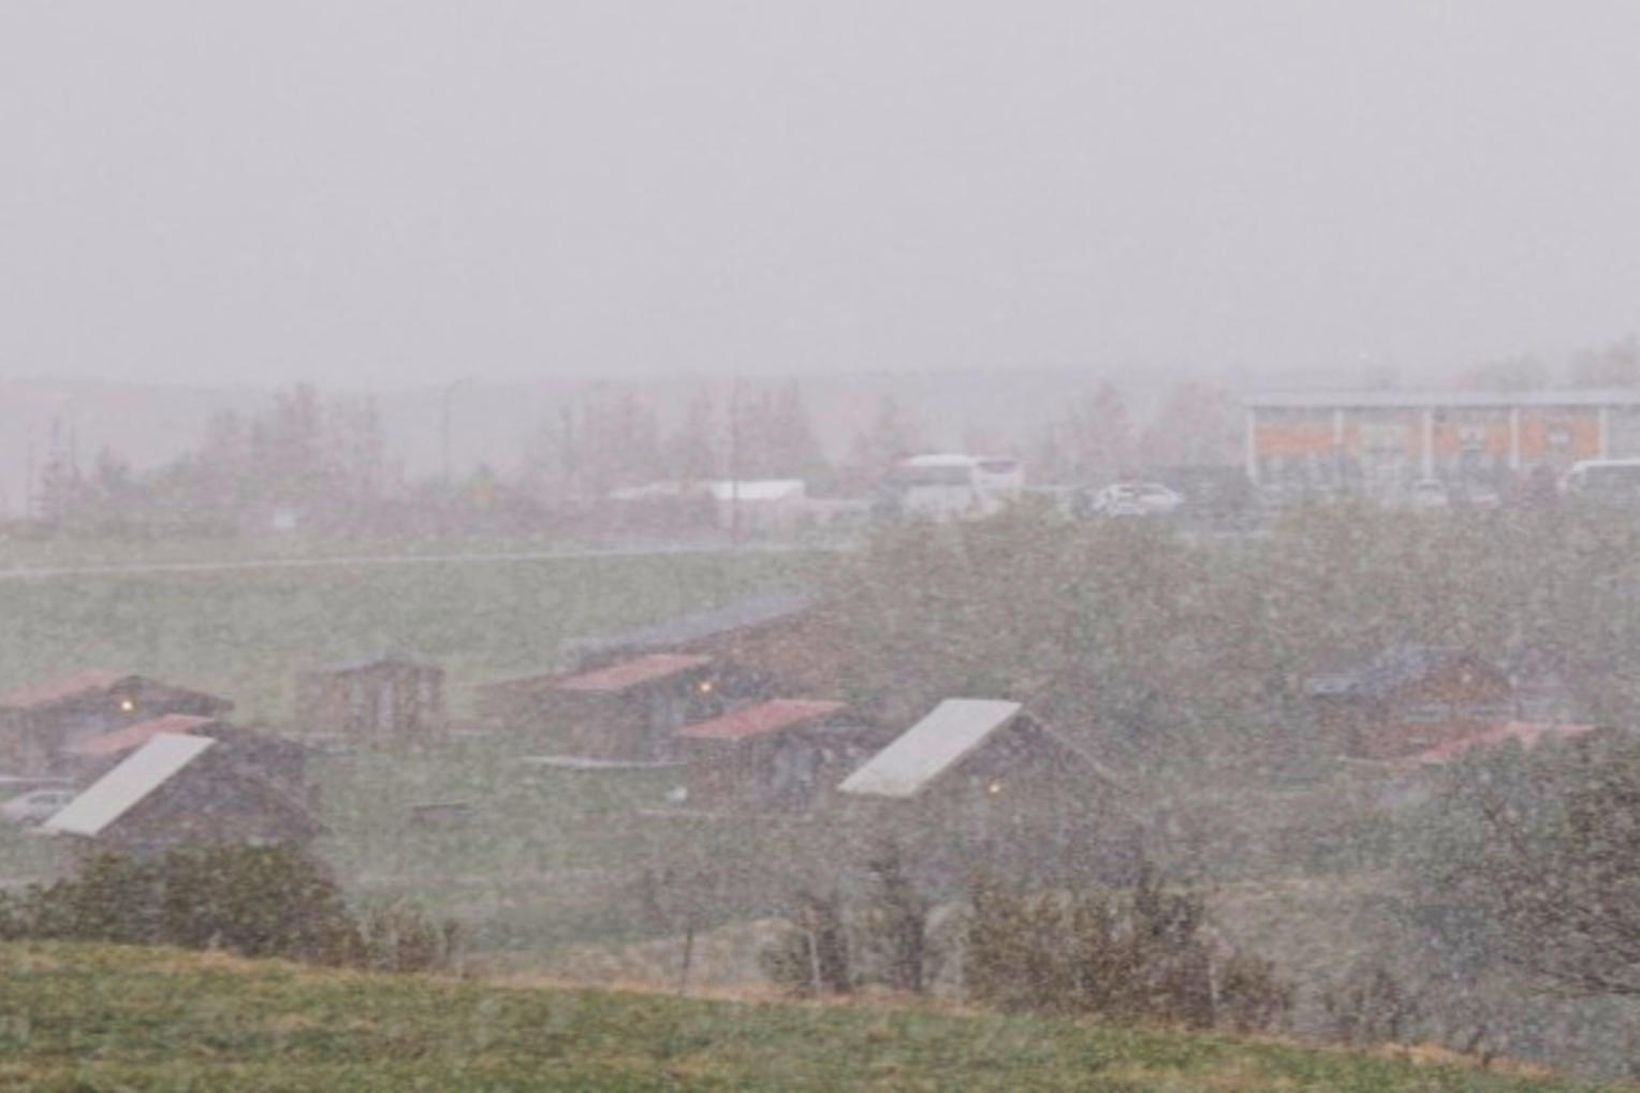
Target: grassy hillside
{"type": "Point", "coordinates": [93, 1018]}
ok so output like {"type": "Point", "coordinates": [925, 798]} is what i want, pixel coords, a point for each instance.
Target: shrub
{"type": "Point", "coordinates": [1371, 1006]}
{"type": "Point", "coordinates": [1143, 955]}
{"type": "Point", "coordinates": [399, 938]}
{"type": "Point", "coordinates": [254, 901]}
{"type": "Point", "coordinates": [813, 955]}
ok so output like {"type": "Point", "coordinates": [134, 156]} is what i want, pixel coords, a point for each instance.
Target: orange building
{"type": "Point", "coordinates": [1380, 442]}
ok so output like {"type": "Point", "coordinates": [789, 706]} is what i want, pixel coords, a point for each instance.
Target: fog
{"type": "Point", "coordinates": [818, 546]}
{"type": "Point", "coordinates": [382, 195]}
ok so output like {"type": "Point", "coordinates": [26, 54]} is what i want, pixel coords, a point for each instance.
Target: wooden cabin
{"type": "Point", "coordinates": [781, 756]}
{"type": "Point", "coordinates": [628, 711]}
{"type": "Point", "coordinates": [41, 722]}
{"type": "Point", "coordinates": [980, 781]}
{"type": "Point", "coordinates": [1411, 698]}
{"type": "Point", "coordinates": [387, 697]}
{"type": "Point", "coordinates": [182, 790]}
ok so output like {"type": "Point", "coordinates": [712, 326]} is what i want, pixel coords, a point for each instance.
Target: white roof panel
{"type": "Point", "coordinates": [1326, 400]}
{"type": "Point", "coordinates": [758, 489]}
{"type": "Point", "coordinates": [115, 793]}
{"type": "Point", "coordinates": [947, 736]}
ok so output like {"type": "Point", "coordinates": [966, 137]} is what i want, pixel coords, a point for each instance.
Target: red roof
{"type": "Point", "coordinates": [131, 737]}
{"type": "Point", "coordinates": [764, 719]}
{"type": "Point", "coordinates": [633, 673]}
{"type": "Point", "coordinates": [36, 695]}
{"type": "Point", "coordinates": [1528, 733]}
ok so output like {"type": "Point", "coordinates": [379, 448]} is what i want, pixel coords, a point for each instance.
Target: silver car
{"type": "Point", "coordinates": [1136, 499]}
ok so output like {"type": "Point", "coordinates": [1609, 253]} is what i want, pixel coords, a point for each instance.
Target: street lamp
{"type": "Point", "coordinates": [444, 429]}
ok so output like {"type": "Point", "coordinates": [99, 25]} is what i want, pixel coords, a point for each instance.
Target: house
{"type": "Point", "coordinates": [760, 507]}
{"type": "Point", "coordinates": [384, 696]}
{"type": "Point", "coordinates": [781, 755]}
{"type": "Point", "coordinates": [625, 712]}
{"type": "Point", "coordinates": [980, 781]}
{"type": "Point", "coordinates": [761, 647]}
{"type": "Point", "coordinates": [1380, 442]}
{"type": "Point", "coordinates": [39, 723]}
{"type": "Point", "coordinates": [751, 507]}
{"type": "Point", "coordinates": [180, 790]}
{"type": "Point", "coordinates": [1410, 698]}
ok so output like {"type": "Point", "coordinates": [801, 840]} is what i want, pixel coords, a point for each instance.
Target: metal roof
{"type": "Point", "coordinates": [632, 673]}
{"type": "Point", "coordinates": [951, 732]}
{"type": "Point", "coordinates": [133, 736]}
{"type": "Point", "coordinates": [744, 614]}
{"type": "Point", "coordinates": [954, 459]}
{"type": "Point", "coordinates": [51, 692]}
{"type": "Point", "coordinates": [1526, 733]}
{"type": "Point", "coordinates": [757, 489]}
{"type": "Point", "coordinates": [121, 789]}
{"type": "Point", "coordinates": [1400, 400]}
{"type": "Point", "coordinates": [764, 719]}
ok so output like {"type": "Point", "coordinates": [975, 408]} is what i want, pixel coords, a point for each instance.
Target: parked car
{"type": "Point", "coordinates": [1136, 499]}
{"type": "Point", "coordinates": [1428, 493]}
{"type": "Point", "coordinates": [1478, 495]}
{"type": "Point", "coordinates": [36, 806]}
{"type": "Point", "coordinates": [1215, 497]}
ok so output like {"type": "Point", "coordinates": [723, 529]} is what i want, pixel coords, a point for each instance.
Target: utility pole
{"type": "Point", "coordinates": [444, 426]}
{"type": "Point", "coordinates": [28, 478]}
{"type": "Point", "coordinates": [733, 463]}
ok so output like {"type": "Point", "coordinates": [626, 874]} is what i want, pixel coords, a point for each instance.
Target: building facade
{"type": "Point", "coordinates": [1380, 442]}
{"type": "Point", "coordinates": [384, 696]}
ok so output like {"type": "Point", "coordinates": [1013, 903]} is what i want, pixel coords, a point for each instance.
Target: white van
{"type": "Point", "coordinates": [1604, 479]}
{"type": "Point", "coordinates": [946, 486]}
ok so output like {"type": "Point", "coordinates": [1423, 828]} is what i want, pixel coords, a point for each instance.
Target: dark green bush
{"type": "Point", "coordinates": [254, 901]}
{"type": "Point", "coordinates": [1140, 955]}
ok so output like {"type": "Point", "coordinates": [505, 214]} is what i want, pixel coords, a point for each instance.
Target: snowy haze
{"type": "Point", "coordinates": [400, 194]}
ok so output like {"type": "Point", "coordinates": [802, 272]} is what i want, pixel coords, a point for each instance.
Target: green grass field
{"type": "Point", "coordinates": [101, 1018]}
{"type": "Point", "coordinates": [544, 857]}
{"type": "Point", "coordinates": [245, 633]}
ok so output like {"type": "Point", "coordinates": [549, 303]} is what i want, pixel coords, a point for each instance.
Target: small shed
{"type": "Point", "coordinates": [781, 755]}
{"type": "Point", "coordinates": [1410, 698]}
{"type": "Point", "coordinates": [41, 722]}
{"type": "Point", "coordinates": [628, 711]}
{"type": "Point", "coordinates": [763, 506]}
{"type": "Point", "coordinates": [983, 774]}
{"type": "Point", "coordinates": [383, 696]}
{"type": "Point", "coordinates": [179, 790]}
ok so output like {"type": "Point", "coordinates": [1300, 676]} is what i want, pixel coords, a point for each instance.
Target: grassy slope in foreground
{"type": "Point", "coordinates": [96, 1018]}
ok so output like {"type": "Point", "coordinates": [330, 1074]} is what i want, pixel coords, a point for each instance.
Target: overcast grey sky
{"type": "Point", "coordinates": [377, 192]}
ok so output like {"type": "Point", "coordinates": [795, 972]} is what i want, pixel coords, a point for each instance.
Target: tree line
{"type": "Point", "coordinates": [324, 462]}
